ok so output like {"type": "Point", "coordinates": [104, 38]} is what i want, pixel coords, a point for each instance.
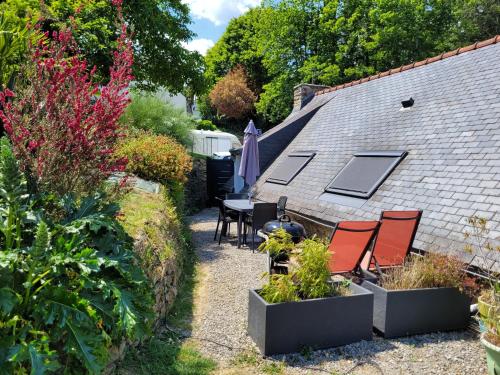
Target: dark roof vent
{"type": "Point", "coordinates": [408, 103]}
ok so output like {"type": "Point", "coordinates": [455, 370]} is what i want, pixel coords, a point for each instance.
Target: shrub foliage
{"type": "Point", "coordinates": [232, 96]}
{"type": "Point", "coordinates": [206, 125]}
{"type": "Point", "coordinates": [63, 126]}
{"type": "Point", "coordinates": [68, 290]}
{"type": "Point", "coordinates": [150, 113]}
{"type": "Point", "coordinates": [156, 158]}
{"type": "Point", "coordinates": [430, 271]}
{"type": "Point", "coordinates": [308, 276]}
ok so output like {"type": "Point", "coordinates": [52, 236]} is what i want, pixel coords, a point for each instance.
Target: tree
{"type": "Point", "coordinates": [479, 20]}
{"type": "Point", "coordinates": [239, 45]}
{"type": "Point", "coordinates": [232, 97]}
{"type": "Point", "coordinates": [290, 35]}
{"type": "Point", "coordinates": [336, 41]}
{"type": "Point", "coordinates": [159, 27]}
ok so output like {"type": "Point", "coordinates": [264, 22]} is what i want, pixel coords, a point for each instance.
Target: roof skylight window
{"type": "Point", "coordinates": [286, 171]}
{"type": "Point", "coordinates": [365, 172]}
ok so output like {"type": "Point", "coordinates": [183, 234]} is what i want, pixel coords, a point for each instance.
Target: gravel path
{"type": "Point", "coordinates": [226, 274]}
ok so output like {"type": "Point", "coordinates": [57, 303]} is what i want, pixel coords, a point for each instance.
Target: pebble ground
{"type": "Point", "coordinates": [220, 319]}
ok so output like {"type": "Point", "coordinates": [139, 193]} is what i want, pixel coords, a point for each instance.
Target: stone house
{"type": "Point", "coordinates": [422, 136]}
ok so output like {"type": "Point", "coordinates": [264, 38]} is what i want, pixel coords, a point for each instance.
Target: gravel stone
{"type": "Point", "coordinates": [220, 321]}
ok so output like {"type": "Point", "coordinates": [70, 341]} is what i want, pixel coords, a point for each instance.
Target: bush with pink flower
{"type": "Point", "coordinates": [64, 126]}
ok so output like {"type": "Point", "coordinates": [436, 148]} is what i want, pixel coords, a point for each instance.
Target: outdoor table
{"type": "Point", "coordinates": [243, 206]}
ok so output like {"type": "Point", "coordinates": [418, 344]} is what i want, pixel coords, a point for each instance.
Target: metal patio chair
{"type": "Point", "coordinates": [349, 243]}
{"type": "Point", "coordinates": [394, 240]}
{"type": "Point", "coordinates": [227, 217]}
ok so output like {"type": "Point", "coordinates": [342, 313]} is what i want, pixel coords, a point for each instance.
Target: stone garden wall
{"type": "Point", "coordinates": [154, 223]}
{"type": "Point", "coordinates": [311, 226]}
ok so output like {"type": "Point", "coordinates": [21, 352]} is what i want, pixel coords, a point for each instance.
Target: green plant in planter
{"type": "Point", "coordinates": [308, 278]}
{"type": "Point", "coordinates": [279, 244]}
{"type": "Point", "coordinates": [430, 271]}
{"type": "Point", "coordinates": [313, 275]}
{"type": "Point", "coordinates": [280, 288]}
{"type": "Point", "coordinates": [489, 300]}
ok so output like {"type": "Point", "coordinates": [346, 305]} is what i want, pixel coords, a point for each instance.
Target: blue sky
{"type": "Point", "coordinates": [210, 18]}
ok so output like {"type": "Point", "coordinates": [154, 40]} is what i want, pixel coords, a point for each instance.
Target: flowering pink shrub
{"type": "Point", "coordinates": [63, 126]}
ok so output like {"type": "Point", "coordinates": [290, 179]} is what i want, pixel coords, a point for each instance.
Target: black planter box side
{"type": "Point", "coordinates": [408, 312]}
{"type": "Point", "coordinates": [317, 323]}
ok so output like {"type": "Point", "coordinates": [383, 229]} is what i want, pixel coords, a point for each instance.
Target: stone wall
{"type": "Point", "coordinates": [196, 195]}
{"type": "Point", "coordinates": [303, 92]}
{"type": "Point", "coordinates": [311, 226]}
{"type": "Point", "coordinates": [159, 244]}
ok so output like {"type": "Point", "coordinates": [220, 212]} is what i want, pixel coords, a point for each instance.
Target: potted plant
{"type": "Point", "coordinates": [278, 245]}
{"type": "Point", "coordinates": [304, 308]}
{"type": "Point", "coordinates": [489, 300]}
{"type": "Point", "coordinates": [424, 295]}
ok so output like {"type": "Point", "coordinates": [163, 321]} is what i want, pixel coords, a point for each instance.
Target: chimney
{"type": "Point", "coordinates": [303, 93]}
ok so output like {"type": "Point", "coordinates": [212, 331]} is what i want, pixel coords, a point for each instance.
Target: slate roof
{"type": "Point", "coordinates": [274, 141]}
{"type": "Point", "coordinates": [452, 135]}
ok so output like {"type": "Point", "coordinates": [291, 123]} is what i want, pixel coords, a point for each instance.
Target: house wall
{"type": "Point", "coordinates": [452, 135]}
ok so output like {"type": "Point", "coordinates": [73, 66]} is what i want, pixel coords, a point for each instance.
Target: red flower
{"type": "Point", "coordinates": [63, 126]}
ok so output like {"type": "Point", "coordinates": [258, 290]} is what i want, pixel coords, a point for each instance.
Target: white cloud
{"type": "Point", "coordinates": [220, 12]}
{"type": "Point", "coordinates": [201, 45]}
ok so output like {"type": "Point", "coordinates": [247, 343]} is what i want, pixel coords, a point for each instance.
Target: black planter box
{"type": "Point", "coordinates": [399, 313]}
{"type": "Point", "coordinates": [317, 323]}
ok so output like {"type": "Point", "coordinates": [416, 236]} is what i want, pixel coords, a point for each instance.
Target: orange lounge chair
{"type": "Point", "coordinates": [394, 240]}
{"type": "Point", "coordinates": [349, 243]}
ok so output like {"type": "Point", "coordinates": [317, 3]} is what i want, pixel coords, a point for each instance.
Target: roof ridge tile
{"type": "Point", "coordinates": [416, 64]}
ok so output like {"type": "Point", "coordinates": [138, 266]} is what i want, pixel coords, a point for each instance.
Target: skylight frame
{"type": "Point", "coordinates": [398, 157]}
{"type": "Point", "coordinates": [308, 155]}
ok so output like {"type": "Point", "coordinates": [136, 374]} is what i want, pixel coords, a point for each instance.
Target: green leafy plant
{"type": "Point", "coordinates": [313, 275]}
{"type": "Point", "coordinates": [156, 157]}
{"type": "Point", "coordinates": [484, 255]}
{"type": "Point", "coordinates": [150, 113]}
{"type": "Point", "coordinates": [308, 276]}
{"type": "Point", "coordinates": [13, 44]}
{"type": "Point", "coordinates": [206, 125]}
{"type": "Point", "coordinates": [69, 289]}
{"type": "Point", "coordinates": [430, 271]}
{"type": "Point", "coordinates": [280, 288]}
{"type": "Point", "coordinates": [279, 244]}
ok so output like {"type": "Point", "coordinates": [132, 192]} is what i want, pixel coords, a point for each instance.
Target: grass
{"type": "Point", "coordinates": [246, 359]}
{"type": "Point", "coordinates": [274, 368]}
{"type": "Point", "coordinates": [166, 353]}
{"type": "Point", "coordinates": [252, 360]}
{"type": "Point", "coordinates": [138, 208]}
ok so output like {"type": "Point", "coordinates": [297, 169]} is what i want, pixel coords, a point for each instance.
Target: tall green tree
{"type": "Point", "coordinates": [478, 20]}
{"type": "Point", "coordinates": [334, 41]}
{"type": "Point", "coordinates": [239, 45]}
{"type": "Point", "coordinates": [290, 35]}
{"type": "Point", "coordinates": [159, 27]}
